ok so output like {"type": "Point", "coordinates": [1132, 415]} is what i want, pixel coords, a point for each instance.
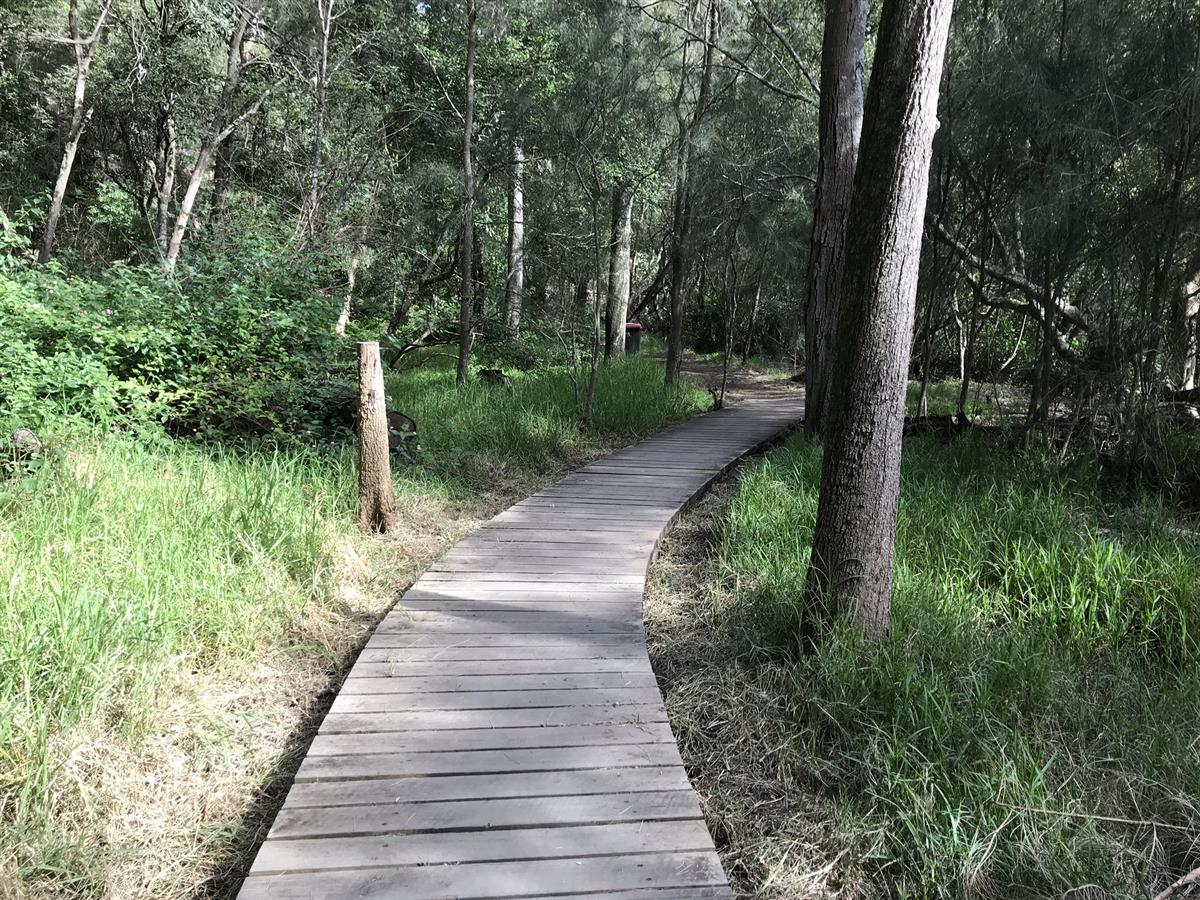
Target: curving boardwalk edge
{"type": "Point", "coordinates": [502, 734]}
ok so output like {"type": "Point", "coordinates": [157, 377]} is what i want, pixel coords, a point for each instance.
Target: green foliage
{"type": "Point", "coordinates": [230, 350]}
{"type": "Point", "coordinates": [1042, 674]}
{"type": "Point", "coordinates": [534, 425]}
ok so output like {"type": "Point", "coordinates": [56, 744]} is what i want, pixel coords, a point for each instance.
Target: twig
{"type": "Point", "coordinates": [1116, 820]}
{"type": "Point", "coordinates": [1192, 877]}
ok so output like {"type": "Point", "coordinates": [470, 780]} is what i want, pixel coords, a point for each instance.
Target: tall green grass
{"type": "Point", "coordinates": [127, 568]}
{"type": "Point", "coordinates": [534, 425]}
{"type": "Point", "coordinates": [1042, 681]}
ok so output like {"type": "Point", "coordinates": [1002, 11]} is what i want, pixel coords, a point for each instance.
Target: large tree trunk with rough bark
{"type": "Point", "coordinates": [620, 264]}
{"type": "Point", "coordinates": [840, 125]}
{"type": "Point", "coordinates": [85, 51]}
{"type": "Point", "coordinates": [854, 541]}
{"type": "Point", "coordinates": [467, 256]}
{"type": "Point", "coordinates": [376, 498]}
{"type": "Point", "coordinates": [514, 283]}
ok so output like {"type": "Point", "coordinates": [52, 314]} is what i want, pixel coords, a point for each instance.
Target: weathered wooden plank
{"type": "Point", "coordinates": [548, 642]}
{"type": "Point", "coordinates": [569, 841]}
{"type": "Point", "coordinates": [482, 815]}
{"type": "Point", "coordinates": [587, 658]}
{"type": "Point", "coordinates": [396, 664]}
{"type": "Point", "coordinates": [389, 719]}
{"type": "Point", "coordinates": [446, 788]}
{"type": "Point", "coordinates": [357, 684]}
{"type": "Point", "coordinates": [491, 738]}
{"type": "Point", "coordinates": [526, 878]}
{"type": "Point", "coordinates": [473, 700]}
{"type": "Point", "coordinates": [466, 762]}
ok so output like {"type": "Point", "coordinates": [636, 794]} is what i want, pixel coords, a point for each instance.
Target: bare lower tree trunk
{"type": "Point", "coordinates": [748, 343]}
{"type": "Point", "coordinates": [619, 270]}
{"type": "Point", "coordinates": [681, 221]}
{"type": "Point", "coordinates": [468, 239]}
{"type": "Point", "coordinates": [1190, 304]}
{"type": "Point", "coordinates": [854, 541]}
{"type": "Point", "coordinates": [85, 51]}
{"type": "Point", "coordinates": [514, 283]}
{"type": "Point", "coordinates": [166, 184]}
{"type": "Point", "coordinates": [325, 22]}
{"type": "Point", "coordinates": [841, 112]}
{"type": "Point", "coordinates": [351, 277]}
{"type": "Point", "coordinates": [376, 499]}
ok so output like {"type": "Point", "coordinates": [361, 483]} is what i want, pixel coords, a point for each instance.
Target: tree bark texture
{"type": "Point", "coordinates": [514, 283]}
{"type": "Point", "coordinates": [376, 499]}
{"type": "Point", "coordinates": [620, 264]}
{"type": "Point", "coordinates": [840, 127]}
{"type": "Point", "coordinates": [854, 541]}
{"type": "Point", "coordinates": [467, 256]}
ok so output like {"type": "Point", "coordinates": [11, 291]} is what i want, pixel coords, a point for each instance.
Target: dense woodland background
{"type": "Point", "coordinates": [205, 204]}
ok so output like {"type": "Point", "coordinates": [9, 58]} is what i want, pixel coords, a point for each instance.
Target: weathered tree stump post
{"type": "Point", "coordinates": [376, 501]}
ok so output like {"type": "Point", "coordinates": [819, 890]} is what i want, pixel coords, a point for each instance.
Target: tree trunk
{"type": "Point", "coordinates": [166, 184]}
{"type": "Point", "coordinates": [468, 239]}
{"type": "Point", "coordinates": [325, 20]}
{"type": "Point", "coordinates": [854, 541]}
{"type": "Point", "coordinates": [85, 52]}
{"type": "Point", "coordinates": [351, 277]}
{"type": "Point", "coordinates": [223, 125]}
{"type": "Point", "coordinates": [514, 283]}
{"type": "Point", "coordinates": [748, 345]}
{"type": "Point", "coordinates": [840, 117]}
{"type": "Point", "coordinates": [681, 220]}
{"type": "Point", "coordinates": [619, 270]}
{"type": "Point", "coordinates": [376, 499]}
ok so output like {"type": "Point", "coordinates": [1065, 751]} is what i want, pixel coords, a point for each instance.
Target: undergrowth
{"type": "Point", "coordinates": [1029, 730]}
{"type": "Point", "coordinates": [171, 613]}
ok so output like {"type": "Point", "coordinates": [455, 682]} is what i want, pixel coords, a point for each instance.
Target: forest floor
{"type": "Point", "coordinates": [1025, 732]}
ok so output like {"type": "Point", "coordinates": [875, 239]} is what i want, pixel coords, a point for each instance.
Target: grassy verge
{"type": "Point", "coordinates": [1029, 731]}
{"type": "Point", "coordinates": [172, 615]}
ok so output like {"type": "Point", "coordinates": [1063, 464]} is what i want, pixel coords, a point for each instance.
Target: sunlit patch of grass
{"type": "Point", "coordinates": [1030, 726]}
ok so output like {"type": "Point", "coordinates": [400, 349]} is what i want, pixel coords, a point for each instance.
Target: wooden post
{"type": "Point", "coordinates": [376, 502]}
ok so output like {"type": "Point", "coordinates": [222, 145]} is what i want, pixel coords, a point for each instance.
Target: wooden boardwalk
{"type": "Point", "coordinates": [502, 734]}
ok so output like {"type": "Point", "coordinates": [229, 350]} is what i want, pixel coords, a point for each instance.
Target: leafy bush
{"type": "Point", "coordinates": [217, 353]}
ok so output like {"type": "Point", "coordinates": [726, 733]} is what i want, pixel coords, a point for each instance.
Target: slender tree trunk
{"type": "Point", "coordinates": [680, 250]}
{"type": "Point", "coordinates": [840, 118]}
{"type": "Point", "coordinates": [619, 270]}
{"type": "Point", "coordinates": [85, 51]}
{"type": "Point", "coordinates": [325, 19]}
{"type": "Point", "coordinates": [468, 239]}
{"type": "Point", "coordinates": [514, 283]}
{"type": "Point", "coordinates": [854, 541]}
{"type": "Point", "coordinates": [166, 185]}
{"type": "Point", "coordinates": [224, 125]}
{"type": "Point", "coordinates": [748, 345]}
{"type": "Point", "coordinates": [351, 278]}
{"type": "Point", "coordinates": [1191, 331]}
{"type": "Point", "coordinates": [376, 498]}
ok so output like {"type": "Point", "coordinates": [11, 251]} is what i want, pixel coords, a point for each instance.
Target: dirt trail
{"type": "Point", "coordinates": [743, 382]}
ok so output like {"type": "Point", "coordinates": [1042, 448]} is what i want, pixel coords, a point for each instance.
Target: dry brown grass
{"type": "Point", "coordinates": [728, 711]}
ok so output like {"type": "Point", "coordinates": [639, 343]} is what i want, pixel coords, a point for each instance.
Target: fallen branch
{"type": "Point", "coordinates": [1192, 877]}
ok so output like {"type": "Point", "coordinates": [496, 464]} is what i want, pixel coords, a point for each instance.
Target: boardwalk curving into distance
{"type": "Point", "coordinates": [502, 734]}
